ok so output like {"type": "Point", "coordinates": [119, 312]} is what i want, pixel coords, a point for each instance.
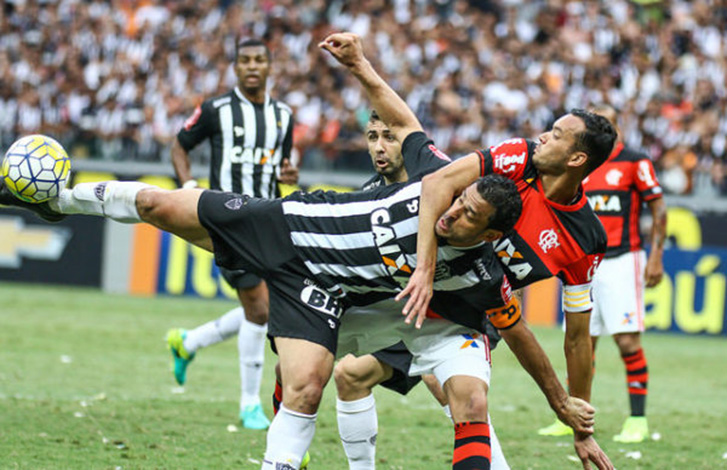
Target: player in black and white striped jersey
{"type": "Point", "coordinates": [250, 136]}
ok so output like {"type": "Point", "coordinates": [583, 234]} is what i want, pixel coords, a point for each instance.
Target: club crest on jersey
{"type": "Point", "coordinates": [605, 203]}
{"type": "Point", "coordinates": [548, 240]}
{"type": "Point", "coordinates": [613, 177]}
{"type": "Point", "coordinates": [469, 342]}
{"type": "Point", "coordinates": [239, 131]}
{"type": "Point", "coordinates": [512, 259]}
{"type": "Point", "coordinates": [235, 204]}
{"type": "Point", "coordinates": [385, 239]}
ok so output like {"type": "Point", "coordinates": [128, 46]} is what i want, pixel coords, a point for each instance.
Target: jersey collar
{"type": "Point", "coordinates": [245, 100]}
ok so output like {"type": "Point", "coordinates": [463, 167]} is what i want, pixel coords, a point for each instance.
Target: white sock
{"type": "Point", "coordinates": [113, 199]}
{"type": "Point", "coordinates": [215, 331]}
{"type": "Point", "coordinates": [251, 349]}
{"type": "Point", "coordinates": [358, 426]}
{"type": "Point", "coordinates": [289, 436]}
{"type": "Point", "coordinates": [498, 460]}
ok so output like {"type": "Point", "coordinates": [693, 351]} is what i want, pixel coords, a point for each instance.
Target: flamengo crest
{"type": "Point", "coordinates": [548, 239]}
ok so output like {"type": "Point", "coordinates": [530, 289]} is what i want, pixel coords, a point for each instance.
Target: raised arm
{"type": "Point", "coordinates": [347, 49]}
{"type": "Point", "coordinates": [438, 191]}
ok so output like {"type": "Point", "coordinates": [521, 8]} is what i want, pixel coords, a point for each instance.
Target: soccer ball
{"type": "Point", "coordinates": [36, 168]}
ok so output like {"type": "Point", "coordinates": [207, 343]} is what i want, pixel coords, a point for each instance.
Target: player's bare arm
{"type": "Point", "coordinates": [572, 411]}
{"type": "Point", "coordinates": [578, 353]}
{"type": "Point", "coordinates": [347, 49]}
{"type": "Point", "coordinates": [654, 269]}
{"type": "Point", "coordinates": [180, 161]}
{"type": "Point", "coordinates": [438, 191]}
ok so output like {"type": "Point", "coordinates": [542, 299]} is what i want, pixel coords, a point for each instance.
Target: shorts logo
{"type": "Point", "coordinates": [319, 300]}
{"type": "Point", "coordinates": [470, 342]}
{"type": "Point", "coordinates": [628, 318]}
{"type": "Point", "coordinates": [100, 191]}
{"type": "Point", "coordinates": [548, 240]}
{"type": "Point", "coordinates": [234, 204]}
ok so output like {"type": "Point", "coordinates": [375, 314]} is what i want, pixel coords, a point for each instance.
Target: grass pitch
{"type": "Point", "coordinates": [85, 383]}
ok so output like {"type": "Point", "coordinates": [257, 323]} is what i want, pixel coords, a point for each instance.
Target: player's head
{"type": "Point", "coordinates": [485, 211]}
{"type": "Point", "coordinates": [385, 150]}
{"type": "Point", "coordinates": [578, 143]}
{"type": "Point", "coordinates": [252, 65]}
{"type": "Point", "coordinates": [606, 111]}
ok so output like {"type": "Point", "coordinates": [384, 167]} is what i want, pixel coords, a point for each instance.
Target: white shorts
{"type": "Point", "coordinates": [618, 295]}
{"type": "Point", "coordinates": [440, 347]}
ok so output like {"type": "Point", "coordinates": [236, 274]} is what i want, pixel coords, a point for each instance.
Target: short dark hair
{"type": "Point", "coordinates": [502, 194]}
{"type": "Point", "coordinates": [596, 141]}
{"type": "Point", "coordinates": [251, 42]}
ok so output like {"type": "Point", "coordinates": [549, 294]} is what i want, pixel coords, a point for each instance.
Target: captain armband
{"type": "Point", "coordinates": [506, 316]}
{"type": "Point", "coordinates": [577, 299]}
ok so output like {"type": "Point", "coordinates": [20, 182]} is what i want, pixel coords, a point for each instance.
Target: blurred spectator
{"type": "Point", "coordinates": [116, 79]}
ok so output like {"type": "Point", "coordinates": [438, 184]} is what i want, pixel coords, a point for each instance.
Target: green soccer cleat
{"type": "Point", "coordinates": [556, 429]}
{"type": "Point", "coordinates": [635, 429]}
{"type": "Point", "coordinates": [253, 417]}
{"type": "Point", "coordinates": [306, 460]}
{"type": "Point", "coordinates": [182, 358]}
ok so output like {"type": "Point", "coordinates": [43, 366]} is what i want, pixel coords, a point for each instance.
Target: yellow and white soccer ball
{"type": "Point", "coordinates": [36, 168]}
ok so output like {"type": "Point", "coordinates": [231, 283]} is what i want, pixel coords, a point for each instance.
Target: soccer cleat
{"type": "Point", "coordinates": [42, 209]}
{"type": "Point", "coordinates": [253, 417]}
{"type": "Point", "coordinates": [306, 460]}
{"type": "Point", "coordinates": [635, 429]}
{"type": "Point", "coordinates": [182, 358]}
{"type": "Point", "coordinates": [556, 429]}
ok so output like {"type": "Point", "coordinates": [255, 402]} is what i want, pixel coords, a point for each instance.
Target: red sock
{"type": "Point", "coordinates": [277, 397]}
{"type": "Point", "coordinates": [637, 381]}
{"type": "Point", "coordinates": [471, 446]}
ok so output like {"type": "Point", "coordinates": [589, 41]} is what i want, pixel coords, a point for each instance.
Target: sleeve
{"type": "Point", "coordinates": [288, 139]}
{"type": "Point", "coordinates": [421, 156]}
{"type": "Point", "coordinates": [198, 127]}
{"type": "Point", "coordinates": [645, 180]}
{"type": "Point", "coordinates": [507, 315]}
{"type": "Point", "coordinates": [510, 158]}
{"type": "Point", "coordinates": [577, 278]}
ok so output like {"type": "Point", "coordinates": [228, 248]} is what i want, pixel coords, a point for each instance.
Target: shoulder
{"type": "Point", "coordinates": [218, 101]}
{"type": "Point", "coordinates": [282, 106]}
{"type": "Point", "coordinates": [631, 155]}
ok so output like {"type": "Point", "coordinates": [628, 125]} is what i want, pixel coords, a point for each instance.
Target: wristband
{"type": "Point", "coordinates": [189, 184]}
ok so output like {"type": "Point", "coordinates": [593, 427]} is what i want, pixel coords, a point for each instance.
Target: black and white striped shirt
{"type": "Point", "coordinates": [362, 245]}
{"type": "Point", "coordinates": [249, 142]}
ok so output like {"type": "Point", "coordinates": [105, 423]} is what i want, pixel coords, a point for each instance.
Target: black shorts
{"type": "Point", "coordinates": [240, 279]}
{"type": "Point", "coordinates": [399, 358]}
{"type": "Point", "coordinates": [251, 234]}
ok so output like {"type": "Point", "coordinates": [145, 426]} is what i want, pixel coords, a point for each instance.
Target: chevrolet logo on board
{"type": "Point", "coordinates": [40, 242]}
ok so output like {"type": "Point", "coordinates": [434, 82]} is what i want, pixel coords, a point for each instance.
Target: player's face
{"type": "Point", "coordinates": [465, 222]}
{"type": "Point", "coordinates": [555, 148]}
{"type": "Point", "coordinates": [252, 67]}
{"type": "Point", "coordinates": [385, 152]}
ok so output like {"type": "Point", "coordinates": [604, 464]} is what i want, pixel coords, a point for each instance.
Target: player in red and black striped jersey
{"type": "Point", "coordinates": [617, 192]}
{"type": "Point", "coordinates": [548, 176]}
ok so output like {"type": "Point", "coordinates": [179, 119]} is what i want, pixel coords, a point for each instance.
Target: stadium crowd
{"type": "Point", "coordinates": [116, 80]}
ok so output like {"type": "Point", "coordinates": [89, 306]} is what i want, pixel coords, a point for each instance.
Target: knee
{"type": "Point", "coordinates": [468, 405]}
{"type": "Point", "coordinates": [150, 205]}
{"type": "Point", "coordinates": [348, 381]}
{"type": "Point", "coordinates": [304, 396]}
{"type": "Point", "coordinates": [257, 314]}
{"type": "Point", "coordinates": [256, 303]}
